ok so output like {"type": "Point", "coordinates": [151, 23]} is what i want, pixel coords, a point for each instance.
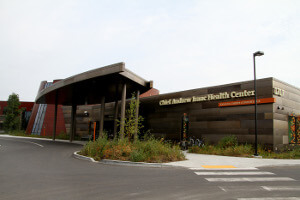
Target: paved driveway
{"type": "Point", "coordinates": [37, 169]}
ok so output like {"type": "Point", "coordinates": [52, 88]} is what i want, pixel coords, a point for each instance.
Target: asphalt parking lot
{"type": "Point", "coordinates": [39, 169]}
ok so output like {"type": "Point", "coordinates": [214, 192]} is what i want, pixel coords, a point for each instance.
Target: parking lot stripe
{"type": "Point", "coordinates": [217, 169]}
{"type": "Point", "coordinates": [233, 173]}
{"type": "Point", "coordinates": [252, 179]}
{"type": "Point", "coordinates": [281, 188]}
{"type": "Point", "coordinates": [218, 166]}
{"type": "Point", "coordinates": [271, 198]}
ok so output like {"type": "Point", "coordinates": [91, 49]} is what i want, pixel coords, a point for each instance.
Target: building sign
{"type": "Point", "coordinates": [208, 97]}
{"type": "Point", "coordinates": [278, 91]}
{"type": "Point", "coordinates": [246, 102]}
{"type": "Point", "coordinates": [220, 96]}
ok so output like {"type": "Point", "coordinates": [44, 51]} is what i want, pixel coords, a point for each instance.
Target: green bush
{"type": "Point", "coordinates": [228, 141]}
{"type": "Point", "coordinates": [137, 156]}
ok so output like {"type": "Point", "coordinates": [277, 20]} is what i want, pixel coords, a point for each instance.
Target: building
{"type": "Point", "coordinates": [213, 112]}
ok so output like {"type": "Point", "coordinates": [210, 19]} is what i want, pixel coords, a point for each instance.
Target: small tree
{"type": "Point", "coordinates": [129, 125]}
{"type": "Point", "coordinates": [12, 113]}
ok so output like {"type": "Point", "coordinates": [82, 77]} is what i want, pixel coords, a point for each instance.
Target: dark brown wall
{"type": "Point", "coordinates": [209, 120]}
{"type": "Point", "coordinates": [82, 121]}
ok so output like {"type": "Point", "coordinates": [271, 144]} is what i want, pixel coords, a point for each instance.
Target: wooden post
{"type": "Point", "coordinates": [116, 112]}
{"type": "Point", "coordinates": [73, 122]}
{"type": "Point", "coordinates": [123, 106]}
{"type": "Point", "coordinates": [116, 118]}
{"type": "Point", "coordinates": [95, 125]}
{"type": "Point", "coordinates": [102, 117]}
{"type": "Point", "coordinates": [137, 115]}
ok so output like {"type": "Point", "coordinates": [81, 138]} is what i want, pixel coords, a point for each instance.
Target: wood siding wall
{"type": "Point", "coordinates": [210, 121]}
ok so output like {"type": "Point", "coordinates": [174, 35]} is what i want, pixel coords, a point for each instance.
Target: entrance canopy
{"type": "Point", "coordinates": [89, 87]}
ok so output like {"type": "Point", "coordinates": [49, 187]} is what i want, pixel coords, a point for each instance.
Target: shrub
{"type": "Point", "coordinates": [228, 141]}
{"type": "Point", "coordinates": [137, 156]}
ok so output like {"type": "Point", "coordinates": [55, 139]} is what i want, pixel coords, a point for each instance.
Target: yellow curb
{"type": "Point", "coordinates": [218, 166]}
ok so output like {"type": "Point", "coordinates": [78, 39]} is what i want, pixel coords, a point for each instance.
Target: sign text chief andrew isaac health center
{"type": "Point", "coordinates": [213, 112]}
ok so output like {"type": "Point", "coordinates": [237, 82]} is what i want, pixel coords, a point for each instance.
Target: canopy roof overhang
{"type": "Point", "coordinates": [89, 87]}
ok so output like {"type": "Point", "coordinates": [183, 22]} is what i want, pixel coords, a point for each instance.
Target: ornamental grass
{"type": "Point", "coordinates": [150, 150]}
{"type": "Point", "coordinates": [228, 146]}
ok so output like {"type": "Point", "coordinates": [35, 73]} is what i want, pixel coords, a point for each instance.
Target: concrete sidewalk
{"type": "Point", "coordinates": [214, 161]}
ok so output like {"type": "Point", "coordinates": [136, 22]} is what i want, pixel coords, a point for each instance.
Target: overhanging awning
{"type": "Point", "coordinates": [90, 86]}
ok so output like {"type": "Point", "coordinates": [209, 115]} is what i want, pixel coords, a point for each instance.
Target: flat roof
{"type": "Point", "coordinates": [88, 87]}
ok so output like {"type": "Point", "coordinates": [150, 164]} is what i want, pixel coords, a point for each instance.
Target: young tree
{"type": "Point", "coordinates": [12, 113]}
{"type": "Point", "coordinates": [130, 120]}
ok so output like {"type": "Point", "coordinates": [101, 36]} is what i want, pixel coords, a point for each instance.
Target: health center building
{"type": "Point", "coordinates": [213, 112]}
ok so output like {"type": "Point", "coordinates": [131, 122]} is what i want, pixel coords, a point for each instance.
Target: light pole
{"type": "Point", "coordinates": [258, 53]}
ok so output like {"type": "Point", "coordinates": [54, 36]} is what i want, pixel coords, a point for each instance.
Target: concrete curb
{"type": "Point", "coordinates": [44, 139]}
{"type": "Point", "coordinates": [81, 157]}
{"type": "Point", "coordinates": [120, 162]}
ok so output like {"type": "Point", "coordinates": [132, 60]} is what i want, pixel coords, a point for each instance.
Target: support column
{"type": "Point", "coordinates": [116, 112]}
{"type": "Point", "coordinates": [55, 116]}
{"type": "Point", "coordinates": [101, 117]}
{"type": "Point", "coordinates": [116, 118]}
{"type": "Point", "coordinates": [137, 115]}
{"type": "Point", "coordinates": [73, 122]}
{"type": "Point", "coordinates": [123, 106]}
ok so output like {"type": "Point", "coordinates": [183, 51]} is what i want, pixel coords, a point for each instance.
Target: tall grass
{"type": "Point", "coordinates": [228, 146]}
{"type": "Point", "coordinates": [238, 150]}
{"type": "Point", "coordinates": [149, 150]}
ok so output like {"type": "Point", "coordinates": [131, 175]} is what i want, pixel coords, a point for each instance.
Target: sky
{"type": "Point", "coordinates": [179, 44]}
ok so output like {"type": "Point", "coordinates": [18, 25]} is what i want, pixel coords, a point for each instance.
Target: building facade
{"type": "Point", "coordinates": [95, 100]}
{"type": "Point", "coordinates": [219, 111]}
{"type": "Point", "coordinates": [213, 112]}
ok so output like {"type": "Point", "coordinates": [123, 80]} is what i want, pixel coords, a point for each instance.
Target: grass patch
{"type": "Point", "coordinates": [238, 150]}
{"type": "Point", "coordinates": [228, 146]}
{"type": "Point", "coordinates": [286, 154]}
{"type": "Point", "coordinates": [150, 150]}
